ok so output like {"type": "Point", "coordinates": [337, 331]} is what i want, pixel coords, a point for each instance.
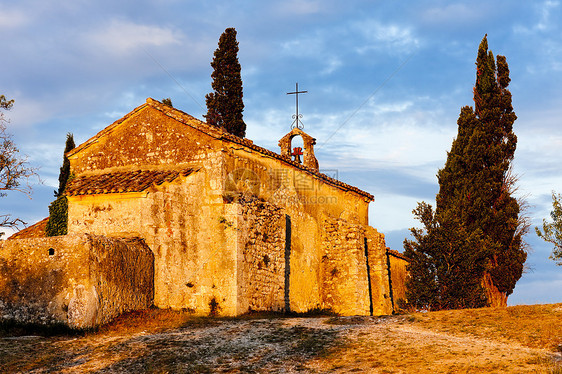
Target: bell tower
{"type": "Point", "coordinates": [308, 158]}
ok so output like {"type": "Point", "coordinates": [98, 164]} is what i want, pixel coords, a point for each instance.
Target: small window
{"type": "Point", "coordinates": [51, 251]}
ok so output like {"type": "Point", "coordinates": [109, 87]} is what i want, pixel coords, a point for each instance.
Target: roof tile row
{"type": "Point", "coordinates": [122, 181]}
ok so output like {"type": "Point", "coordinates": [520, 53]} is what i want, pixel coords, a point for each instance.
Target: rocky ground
{"type": "Point", "coordinates": [171, 342]}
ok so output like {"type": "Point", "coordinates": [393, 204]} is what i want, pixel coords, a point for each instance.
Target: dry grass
{"type": "Point", "coordinates": [535, 326]}
{"type": "Point", "coordinates": [514, 340]}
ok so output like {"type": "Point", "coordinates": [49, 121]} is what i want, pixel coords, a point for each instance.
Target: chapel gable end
{"type": "Point", "coordinates": [149, 136]}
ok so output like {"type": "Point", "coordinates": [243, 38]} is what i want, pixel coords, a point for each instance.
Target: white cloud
{"type": "Point", "coordinates": [309, 45]}
{"type": "Point", "coordinates": [122, 37]}
{"type": "Point", "coordinates": [531, 291]}
{"type": "Point", "coordinates": [393, 212]}
{"type": "Point", "coordinates": [390, 38]}
{"type": "Point", "coordinates": [332, 64]}
{"type": "Point", "coordinates": [28, 112]}
{"type": "Point", "coordinates": [545, 12]}
{"type": "Point", "coordinates": [453, 14]}
{"type": "Point", "coordinates": [300, 7]}
{"type": "Point", "coordinates": [11, 19]}
{"type": "Point", "coordinates": [391, 133]}
{"type": "Point", "coordinates": [544, 23]}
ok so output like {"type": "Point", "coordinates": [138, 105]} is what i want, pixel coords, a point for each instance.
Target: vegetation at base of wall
{"type": "Point", "coordinates": [58, 217]}
{"type": "Point", "coordinates": [476, 231]}
{"type": "Point", "coordinates": [9, 328]}
{"type": "Point", "coordinates": [214, 307]}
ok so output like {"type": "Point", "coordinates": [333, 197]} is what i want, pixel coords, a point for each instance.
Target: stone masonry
{"type": "Point", "coordinates": [79, 280]}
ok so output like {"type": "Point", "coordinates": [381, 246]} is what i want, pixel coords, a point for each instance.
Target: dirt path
{"type": "Point", "coordinates": [403, 348]}
{"type": "Point", "coordinates": [280, 345]}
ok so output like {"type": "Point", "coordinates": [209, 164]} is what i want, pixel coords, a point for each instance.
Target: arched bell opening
{"type": "Point", "coordinates": [306, 151]}
{"type": "Point", "coordinates": [297, 148]}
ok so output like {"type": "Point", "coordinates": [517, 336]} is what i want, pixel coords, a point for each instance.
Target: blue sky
{"type": "Point", "coordinates": [385, 80]}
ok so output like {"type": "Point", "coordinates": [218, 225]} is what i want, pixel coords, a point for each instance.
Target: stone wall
{"type": "Point", "coordinates": [122, 271]}
{"type": "Point", "coordinates": [345, 283]}
{"type": "Point", "coordinates": [378, 266]}
{"type": "Point", "coordinates": [261, 268]}
{"type": "Point", "coordinates": [398, 275]}
{"type": "Point", "coordinates": [79, 280]}
{"type": "Point", "coordinates": [305, 200]}
{"type": "Point", "coordinates": [183, 223]}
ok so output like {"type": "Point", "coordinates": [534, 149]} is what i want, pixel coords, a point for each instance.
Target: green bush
{"type": "Point", "coordinates": [58, 217]}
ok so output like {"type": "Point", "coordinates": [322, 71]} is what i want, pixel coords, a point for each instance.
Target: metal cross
{"type": "Point", "coordinates": [297, 122]}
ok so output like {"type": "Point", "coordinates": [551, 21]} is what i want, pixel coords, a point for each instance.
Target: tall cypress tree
{"type": "Point", "coordinates": [474, 241]}
{"type": "Point", "coordinates": [65, 168]}
{"type": "Point", "coordinates": [225, 105]}
{"type": "Point", "coordinates": [58, 209]}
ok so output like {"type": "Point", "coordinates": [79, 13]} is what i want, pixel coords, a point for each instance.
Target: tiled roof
{"type": "Point", "coordinates": [34, 231]}
{"type": "Point", "coordinates": [121, 181]}
{"type": "Point", "coordinates": [397, 254]}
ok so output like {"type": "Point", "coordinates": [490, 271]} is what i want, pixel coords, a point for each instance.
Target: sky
{"type": "Point", "coordinates": [386, 81]}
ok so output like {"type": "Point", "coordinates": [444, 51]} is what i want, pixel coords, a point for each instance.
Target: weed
{"type": "Point", "coordinates": [224, 221]}
{"type": "Point", "coordinates": [550, 365]}
{"type": "Point", "coordinates": [315, 312]}
{"type": "Point", "coordinates": [214, 307]}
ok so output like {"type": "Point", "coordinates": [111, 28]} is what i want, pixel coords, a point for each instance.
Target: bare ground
{"type": "Point", "coordinates": [477, 341]}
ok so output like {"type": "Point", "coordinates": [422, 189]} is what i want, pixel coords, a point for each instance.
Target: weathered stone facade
{"type": "Point", "coordinates": [261, 279]}
{"type": "Point", "coordinates": [233, 227]}
{"type": "Point", "coordinates": [80, 280]}
{"type": "Point", "coordinates": [398, 274]}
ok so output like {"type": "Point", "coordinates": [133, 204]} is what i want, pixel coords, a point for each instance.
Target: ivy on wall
{"type": "Point", "coordinates": [58, 217]}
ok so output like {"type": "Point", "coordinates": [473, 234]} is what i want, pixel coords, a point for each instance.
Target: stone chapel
{"type": "Point", "coordinates": [170, 211]}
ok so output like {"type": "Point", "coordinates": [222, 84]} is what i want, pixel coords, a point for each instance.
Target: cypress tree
{"type": "Point", "coordinates": [58, 209]}
{"type": "Point", "coordinates": [475, 245]}
{"type": "Point", "coordinates": [225, 105]}
{"type": "Point", "coordinates": [65, 168]}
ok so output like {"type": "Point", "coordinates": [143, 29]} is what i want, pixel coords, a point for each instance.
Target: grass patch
{"type": "Point", "coordinates": [534, 326]}
{"type": "Point", "coordinates": [361, 320]}
{"type": "Point", "coordinates": [152, 319]}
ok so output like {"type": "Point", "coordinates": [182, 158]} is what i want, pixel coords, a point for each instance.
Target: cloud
{"type": "Point", "coordinates": [545, 12]}
{"type": "Point", "coordinates": [400, 134]}
{"type": "Point", "coordinates": [454, 14]}
{"type": "Point", "coordinates": [347, 46]}
{"type": "Point", "coordinates": [121, 37]}
{"type": "Point", "coordinates": [391, 38]}
{"type": "Point", "coordinates": [300, 7]}
{"type": "Point", "coordinates": [544, 22]}
{"type": "Point", "coordinates": [530, 291]}
{"type": "Point", "coordinates": [12, 19]}
{"type": "Point", "coordinates": [28, 111]}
